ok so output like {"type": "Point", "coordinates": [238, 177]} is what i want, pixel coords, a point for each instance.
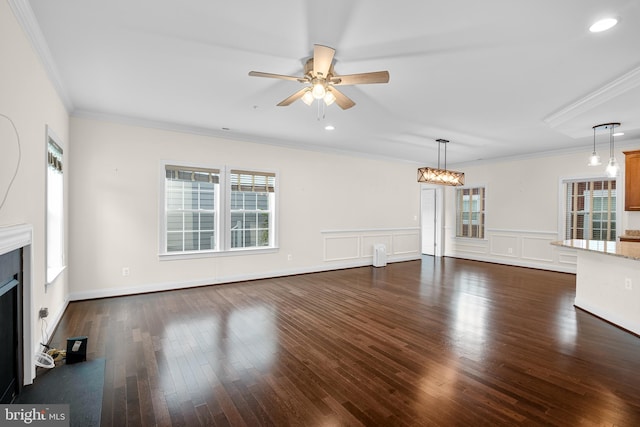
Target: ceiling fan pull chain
{"type": "Point", "coordinates": [320, 113]}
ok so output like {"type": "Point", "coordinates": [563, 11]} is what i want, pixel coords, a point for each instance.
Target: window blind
{"type": "Point", "coordinates": [470, 216]}
{"type": "Point", "coordinates": [54, 156]}
{"type": "Point", "coordinates": [179, 173]}
{"type": "Point", "coordinates": [590, 207]}
{"type": "Point", "coordinates": [257, 182]}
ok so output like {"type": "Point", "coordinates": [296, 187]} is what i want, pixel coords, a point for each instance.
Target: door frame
{"type": "Point", "coordinates": [437, 225]}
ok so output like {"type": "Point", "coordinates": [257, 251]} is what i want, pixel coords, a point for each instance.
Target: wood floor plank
{"type": "Point", "coordinates": [440, 341]}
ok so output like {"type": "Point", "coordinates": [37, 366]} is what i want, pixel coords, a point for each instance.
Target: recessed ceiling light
{"type": "Point", "coordinates": [618, 134]}
{"type": "Point", "coordinates": [329, 127]}
{"type": "Point", "coordinates": [603, 25]}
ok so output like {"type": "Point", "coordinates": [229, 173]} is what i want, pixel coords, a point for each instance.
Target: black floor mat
{"type": "Point", "coordinates": [79, 385]}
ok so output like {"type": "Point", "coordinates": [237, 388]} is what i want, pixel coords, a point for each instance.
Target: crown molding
{"type": "Point", "coordinates": [611, 90]}
{"type": "Point", "coordinates": [26, 18]}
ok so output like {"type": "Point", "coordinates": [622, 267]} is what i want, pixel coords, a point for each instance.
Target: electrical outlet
{"type": "Point", "coordinates": [125, 271]}
{"type": "Point", "coordinates": [289, 257]}
{"type": "Point", "coordinates": [510, 251]}
{"type": "Point", "coordinates": [628, 285]}
{"type": "Point", "coordinates": [44, 312]}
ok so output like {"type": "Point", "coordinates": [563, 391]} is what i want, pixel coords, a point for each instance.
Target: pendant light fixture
{"type": "Point", "coordinates": [440, 176]}
{"type": "Point", "coordinates": [613, 168]}
{"type": "Point", "coordinates": [594, 160]}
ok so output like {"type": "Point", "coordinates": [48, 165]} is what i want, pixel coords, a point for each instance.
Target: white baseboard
{"type": "Point", "coordinates": [52, 324]}
{"type": "Point", "coordinates": [169, 286]}
{"type": "Point", "coordinates": [608, 316]}
{"type": "Point", "coordinates": [517, 263]}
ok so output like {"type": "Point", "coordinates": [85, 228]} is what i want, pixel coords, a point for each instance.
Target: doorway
{"type": "Point", "coordinates": [431, 213]}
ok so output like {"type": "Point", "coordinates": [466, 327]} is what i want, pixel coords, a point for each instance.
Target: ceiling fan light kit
{"type": "Point", "coordinates": [321, 80]}
{"type": "Point", "coordinates": [441, 176]}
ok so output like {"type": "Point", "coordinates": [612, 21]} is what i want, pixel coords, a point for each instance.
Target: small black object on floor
{"type": "Point", "coordinates": [79, 385]}
{"type": "Point", "coordinates": [76, 350]}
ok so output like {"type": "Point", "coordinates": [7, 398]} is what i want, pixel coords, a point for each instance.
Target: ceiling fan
{"type": "Point", "coordinates": [321, 80]}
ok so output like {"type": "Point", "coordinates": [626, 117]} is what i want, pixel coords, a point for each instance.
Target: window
{"type": "Point", "coordinates": [590, 209]}
{"type": "Point", "coordinates": [252, 201]}
{"type": "Point", "coordinates": [191, 201]}
{"type": "Point", "coordinates": [55, 208]}
{"type": "Point", "coordinates": [470, 212]}
{"type": "Point", "coordinates": [212, 210]}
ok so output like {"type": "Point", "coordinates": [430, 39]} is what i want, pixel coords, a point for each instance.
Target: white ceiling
{"type": "Point", "coordinates": [496, 77]}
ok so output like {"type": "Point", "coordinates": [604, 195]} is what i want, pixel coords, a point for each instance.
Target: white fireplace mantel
{"type": "Point", "coordinates": [14, 237]}
{"type": "Point", "coordinates": [11, 238]}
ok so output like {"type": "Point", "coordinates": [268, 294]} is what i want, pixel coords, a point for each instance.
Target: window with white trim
{"type": "Point", "coordinates": [470, 212]}
{"type": "Point", "coordinates": [55, 208]}
{"type": "Point", "coordinates": [252, 203]}
{"type": "Point", "coordinates": [191, 201]}
{"type": "Point", "coordinates": [208, 210]}
{"type": "Point", "coordinates": [590, 209]}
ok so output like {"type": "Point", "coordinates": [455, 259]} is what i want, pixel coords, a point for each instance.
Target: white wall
{"type": "Point", "coordinates": [522, 209]}
{"type": "Point", "coordinates": [332, 209]}
{"type": "Point", "coordinates": [30, 100]}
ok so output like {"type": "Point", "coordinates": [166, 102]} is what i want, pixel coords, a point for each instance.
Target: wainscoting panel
{"type": "Point", "coordinates": [505, 245]}
{"type": "Point", "coordinates": [569, 258]}
{"type": "Point", "coordinates": [341, 248]}
{"type": "Point", "coordinates": [470, 246]}
{"type": "Point", "coordinates": [537, 248]}
{"type": "Point", "coordinates": [369, 240]}
{"type": "Point", "coordinates": [356, 246]}
{"type": "Point", "coordinates": [406, 243]}
{"type": "Point", "coordinates": [527, 248]}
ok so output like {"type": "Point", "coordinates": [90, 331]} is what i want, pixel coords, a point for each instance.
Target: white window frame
{"type": "Point", "coordinates": [55, 259]}
{"type": "Point", "coordinates": [562, 211]}
{"type": "Point", "coordinates": [223, 225]}
{"type": "Point", "coordinates": [190, 210]}
{"type": "Point", "coordinates": [272, 213]}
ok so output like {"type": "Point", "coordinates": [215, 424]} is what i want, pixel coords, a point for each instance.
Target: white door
{"type": "Point", "coordinates": [431, 221]}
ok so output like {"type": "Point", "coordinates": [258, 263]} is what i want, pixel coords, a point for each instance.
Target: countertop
{"type": "Point", "coordinates": [630, 250]}
{"type": "Point", "coordinates": [631, 235]}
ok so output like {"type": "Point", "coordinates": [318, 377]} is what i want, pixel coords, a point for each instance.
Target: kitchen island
{"type": "Point", "coordinates": [608, 280]}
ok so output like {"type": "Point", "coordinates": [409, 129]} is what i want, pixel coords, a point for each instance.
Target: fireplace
{"type": "Point", "coordinates": [11, 325]}
{"type": "Point", "coordinates": [17, 367]}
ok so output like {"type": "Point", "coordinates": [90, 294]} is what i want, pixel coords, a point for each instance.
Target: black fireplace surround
{"type": "Point", "coordinates": [11, 337]}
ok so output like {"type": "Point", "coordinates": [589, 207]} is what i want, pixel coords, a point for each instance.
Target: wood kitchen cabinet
{"type": "Point", "coordinates": [632, 180]}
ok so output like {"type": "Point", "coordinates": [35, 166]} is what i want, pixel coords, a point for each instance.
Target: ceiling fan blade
{"type": "Point", "coordinates": [362, 78]}
{"type": "Point", "coordinates": [293, 97]}
{"type": "Point", "coordinates": [276, 76]}
{"type": "Point", "coordinates": [342, 100]}
{"type": "Point", "coordinates": [322, 59]}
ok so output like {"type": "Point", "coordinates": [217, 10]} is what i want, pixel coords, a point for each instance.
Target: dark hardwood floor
{"type": "Point", "coordinates": [431, 342]}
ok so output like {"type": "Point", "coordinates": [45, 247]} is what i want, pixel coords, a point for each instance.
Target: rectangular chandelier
{"type": "Point", "coordinates": [440, 176]}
